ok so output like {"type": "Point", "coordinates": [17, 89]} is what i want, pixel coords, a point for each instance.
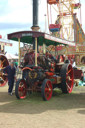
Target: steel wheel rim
{"type": "Point", "coordinates": [22, 90]}
{"type": "Point", "coordinates": [69, 78]}
{"type": "Point", "coordinates": [48, 90]}
{"type": "Point", "coordinates": [3, 83]}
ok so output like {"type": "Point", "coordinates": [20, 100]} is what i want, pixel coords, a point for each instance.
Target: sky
{"type": "Point", "coordinates": [16, 15]}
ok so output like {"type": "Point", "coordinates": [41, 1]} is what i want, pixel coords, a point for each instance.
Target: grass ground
{"type": "Point", "coordinates": [62, 111]}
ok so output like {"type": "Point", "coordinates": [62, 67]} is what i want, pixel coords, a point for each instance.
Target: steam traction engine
{"type": "Point", "coordinates": [42, 73]}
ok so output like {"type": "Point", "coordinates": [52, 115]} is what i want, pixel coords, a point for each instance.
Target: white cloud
{"type": "Point", "coordinates": [20, 11]}
{"type": "Point", "coordinates": [18, 3]}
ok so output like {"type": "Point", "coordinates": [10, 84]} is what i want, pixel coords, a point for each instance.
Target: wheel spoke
{"type": "Point", "coordinates": [68, 87]}
{"type": "Point", "coordinates": [2, 78]}
{"type": "Point", "coordinates": [71, 80]}
{"type": "Point", "coordinates": [22, 90]}
{"type": "Point", "coordinates": [21, 93]}
{"type": "Point", "coordinates": [47, 85]}
{"type": "Point", "coordinates": [49, 90]}
{"type": "Point", "coordinates": [68, 72]}
{"type": "Point", "coordinates": [1, 63]}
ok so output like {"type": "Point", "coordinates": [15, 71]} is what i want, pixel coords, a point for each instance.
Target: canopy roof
{"type": "Point", "coordinates": [26, 37]}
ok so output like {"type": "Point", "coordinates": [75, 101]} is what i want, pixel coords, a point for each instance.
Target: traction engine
{"type": "Point", "coordinates": [47, 75]}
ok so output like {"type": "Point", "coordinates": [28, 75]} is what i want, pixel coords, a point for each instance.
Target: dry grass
{"type": "Point", "coordinates": [62, 111]}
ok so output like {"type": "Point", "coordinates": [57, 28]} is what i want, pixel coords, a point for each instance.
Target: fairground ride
{"type": "Point", "coordinates": [67, 25]}
{"type": "Point", "coordinates": [64, 25]}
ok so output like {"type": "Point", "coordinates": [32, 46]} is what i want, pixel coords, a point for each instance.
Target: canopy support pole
{"type": "Point", "coordinates": [19, 52]}
{"type": "Point", "coordinates": [35, 51]}
{"type": "Point", "coordinates": [44, 48]}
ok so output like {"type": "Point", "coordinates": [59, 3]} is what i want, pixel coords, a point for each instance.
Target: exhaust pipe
{"type": "Point", "coordinates": [35, 26]}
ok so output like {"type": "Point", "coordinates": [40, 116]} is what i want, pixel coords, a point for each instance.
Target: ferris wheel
{"type": "Point", "coordinates": [65, 23]}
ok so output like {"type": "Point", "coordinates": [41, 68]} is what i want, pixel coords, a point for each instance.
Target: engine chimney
{"type": "Point", "coordinates": [35, 26]}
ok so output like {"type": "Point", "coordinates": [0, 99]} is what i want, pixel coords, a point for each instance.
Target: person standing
{"type": "Point", "coordinates": [10, 71]}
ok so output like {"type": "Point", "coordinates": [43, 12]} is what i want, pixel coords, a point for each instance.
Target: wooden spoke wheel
{"type": "Point", "coordinates": [3, 77]}
{"type": "Point", "coordinates": [47, 89]}
{"type": "Point", "coordinates": [21, 89]}
{"type": "Point", "coordinates": [67, 78]}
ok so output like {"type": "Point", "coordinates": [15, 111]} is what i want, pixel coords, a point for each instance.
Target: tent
{"type": "Point", "coordinates": [11, 56]}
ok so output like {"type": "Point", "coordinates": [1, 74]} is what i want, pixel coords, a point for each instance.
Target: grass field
{"type": "Point", "coordinates": [62, 111]}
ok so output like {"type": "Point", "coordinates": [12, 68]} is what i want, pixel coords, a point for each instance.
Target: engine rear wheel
{"type": "Point", "coordinates": [46, 90]}
{"type": "Point", "coordinates": [3, 77]}
{"type": "Point", "coordinates": [21, 89]}
{"type": "Point", "coordinates": [67, 78]}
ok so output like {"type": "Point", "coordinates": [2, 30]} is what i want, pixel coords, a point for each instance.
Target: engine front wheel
{"type": "Point", "coordinates": [46, 90]}
{"type": "Point", "coordinates": [67, 78]}
{"type": "Point", "coordinates": [21, 89]}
